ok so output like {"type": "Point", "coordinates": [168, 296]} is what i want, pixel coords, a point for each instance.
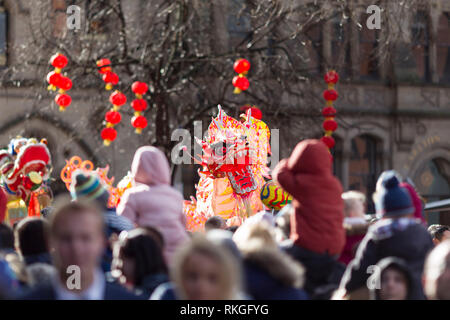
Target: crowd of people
{"type": "Point", "coordinates": [321, 246]}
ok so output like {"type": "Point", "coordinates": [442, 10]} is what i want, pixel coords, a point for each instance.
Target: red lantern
{"type": "Point", "coordinates": [63, 101]}
{"type": "Point", "coordinates": [330, 125]}
{"type": "Point", "coordinates": [113, 117]}
{"type": "Point", "coordinates": [330, 94]}
{"type": "Point", "coordinates": [108, 135]}
{"type": "Point", "coordinates": [331, 77]}
{"type": "Point", "coordinates": [329, 112]}
{"type": "Point", "coordinates": [110, 78]}
{"type": "Point", "coordinates": [139, 105]}
{"type": "Point", "coordinates": [53, 79]}
{"type": "Point", "coordinates": [104, 66]}
{"type": "Point", "coordinates": [58, 61]}
{"type": "Point", "coordinates": [117, 98]}
{"type": "Point", "coordinates": [139, 122]}
{"type": "Point", "coordinates": [329, 141]}
{"type": "Point", "coordinates": [241, 66]}
{"type": "Point", "coordinates": [240, 83]}
{"type": "Point", "coordinates": [256, 112]}
{"type": "Point", "coordinates": [65, 83]}
{"type": "Point", "coordinates": [139, 87]}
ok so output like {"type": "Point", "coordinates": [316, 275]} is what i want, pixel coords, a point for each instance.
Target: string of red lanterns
{"type": "Point", "coordinates": [139, 105]}
{"type": "Point", "coordinates": [56, 80]}
{"type": "Point", "coordinates": [108, 76]}
{"type": "Point", "coordinates": [240, 82]}
{"type": "Point", "coordinates": [329, 112]}
{"type": "Point", "coordinates": [113, 117]}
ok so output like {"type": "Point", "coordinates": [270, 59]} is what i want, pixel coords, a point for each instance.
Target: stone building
{"type": "Point", "coordinates": [393, 113]}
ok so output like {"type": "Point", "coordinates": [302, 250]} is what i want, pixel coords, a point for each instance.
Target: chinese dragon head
{"type": "Point", "coordinates": [234, 162]}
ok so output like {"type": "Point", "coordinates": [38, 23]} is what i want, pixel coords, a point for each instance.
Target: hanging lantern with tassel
{"type": "Point", "coordinates": [329, 112]}
{"type": "Point", "coordinates": [139, 105]}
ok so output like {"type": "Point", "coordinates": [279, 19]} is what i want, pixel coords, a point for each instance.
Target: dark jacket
{"type": "Point", "coordinates": [150, 283]}
{"type": "Point", "coordinates": [271, 274]}
{"type": "Point", "coordinates": [112, 292]}
{"type": "Point", "coordinates": [323, 272]}
{"type": "Point", "coordinates": [317, 224]}
{"type": "Point", "coordinates": [44, 257]}
{"type": "Point", "coordinates": [403, 238]}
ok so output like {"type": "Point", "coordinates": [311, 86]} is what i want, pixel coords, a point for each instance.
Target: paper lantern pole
{"type": "Point", "coordinates": [329, 112]}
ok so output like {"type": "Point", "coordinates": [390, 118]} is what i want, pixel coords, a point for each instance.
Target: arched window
{"type": "Point", "coordinates": [364, 166]}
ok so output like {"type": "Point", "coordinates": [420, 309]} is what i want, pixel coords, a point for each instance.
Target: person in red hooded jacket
{"type": "Point", "coordinates": [317, 232]}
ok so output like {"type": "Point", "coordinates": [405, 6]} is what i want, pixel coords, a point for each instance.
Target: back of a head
{"type": "Point", "coordinates": [215, 222]}
{"type": "Point", "coordinates": [350, 201]}
{"type": "Point", "coordinates": [436, 231]}
{"type": "Point", "coordinates": [391, 200]}
{"type": "Point", "coordinates": [87, 185]}
{"type": "Point", "coordinates": [224, 238]}
{"type": "Point", "coordinates": [250, 237]}
{"type": "Point", "coordinates": [228, 268]}
{"type": "Point", "coordinates": [437, 271]}
{"type": "Point", "coordinates": [150, 166]}
{"type": "Point", "coordinates": [31, 236]}
{"type": "Point", "coordinates": [6, 237]}
{"type": "Point", "coordinates": [145, 250]}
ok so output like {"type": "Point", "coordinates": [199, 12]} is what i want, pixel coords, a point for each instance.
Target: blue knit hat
{"type": "Point", "coordinates": [392, 200]}
{"type": "Point", "coordinates": [89, 186]}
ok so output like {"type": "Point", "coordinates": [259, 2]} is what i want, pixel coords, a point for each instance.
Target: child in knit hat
{"type": "Point", "coordinates": [87, 185]}
{"type": "Point", "coordinates": [396, 234]}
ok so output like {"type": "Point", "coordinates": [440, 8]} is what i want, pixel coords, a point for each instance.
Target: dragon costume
{"type": "Point", "coordinates": [234, 162]}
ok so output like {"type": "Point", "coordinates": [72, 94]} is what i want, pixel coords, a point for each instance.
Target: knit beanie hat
{"type": "Point", "coordinates": [391, 199]}
{"type": "Point", "coordinates": [88, 185]}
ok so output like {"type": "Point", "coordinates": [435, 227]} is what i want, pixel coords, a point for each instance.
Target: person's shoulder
{"type": "Point", "coordinates": [165, 291]}
{"type": "Point", "coordinates": [114, 291]}
{"type": "Point", "coordinates": [41, 292]}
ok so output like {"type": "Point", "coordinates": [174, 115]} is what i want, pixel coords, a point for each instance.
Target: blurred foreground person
{"type": "Point", "coordinates": [202, 270]}
{"type": "Point", "coordinates": [270, 274]}
{"type": "Point", "coordinates": [317, 232]}
{"type": "Point", "coordinates": [397, 234]}
{"type": "Point", "coordinates": [76, 234]}
{"type": "Point", "coordinates": [437, 273]}
{"type": "Point", "coordinates": [215, 222]}
{"type": "Point", "coordinates": [439, 233]}
{"type": "Point", "coordinates": [6, 239]}
{"type": "Point", "coordinates": [391, 280]}
{"type": "Point", "coordinates": [31, 241]}
{"type": "Point", "coordinates": [152, 201]}
{"type": "Point", "coordinates": [139, 261]}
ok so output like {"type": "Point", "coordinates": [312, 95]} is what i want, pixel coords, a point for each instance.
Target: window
{"type": "Point", "coordinates": [420, 45]}
{"type": "Point", "coordinates": [340, 46]}
{"type": "Point", "coordinates": [364, 167]}
{"type": "Point", "coordinates": [314, 48]}
{"type": "Point", "coordinates": [238, 22]}
{"type": "Point", "coordinates": [443, 46]}
{"type": "Point", "coordinates": [3, 36]}
{"type": "Point", "coordinates": [368, 43]}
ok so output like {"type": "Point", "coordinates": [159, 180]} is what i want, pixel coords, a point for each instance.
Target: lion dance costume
{"type": "Point", "coordinates": [25, 169]}
{"type": "Point", "coordinates": [234, 162]}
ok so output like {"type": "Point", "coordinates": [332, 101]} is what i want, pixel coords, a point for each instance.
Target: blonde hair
{"type": "Point", "coordinates": [350, 197]}
{"type": "Point", "coordinates": [252, 236]}
{"type": "Point", "coordinates": [230, 268]}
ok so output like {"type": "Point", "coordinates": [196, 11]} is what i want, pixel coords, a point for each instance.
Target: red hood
{"type": "Point", "coordinates": [310, 156]}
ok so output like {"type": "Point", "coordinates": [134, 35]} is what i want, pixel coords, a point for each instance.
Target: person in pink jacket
{"type": "Point", "coordinates": [152, 201]}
